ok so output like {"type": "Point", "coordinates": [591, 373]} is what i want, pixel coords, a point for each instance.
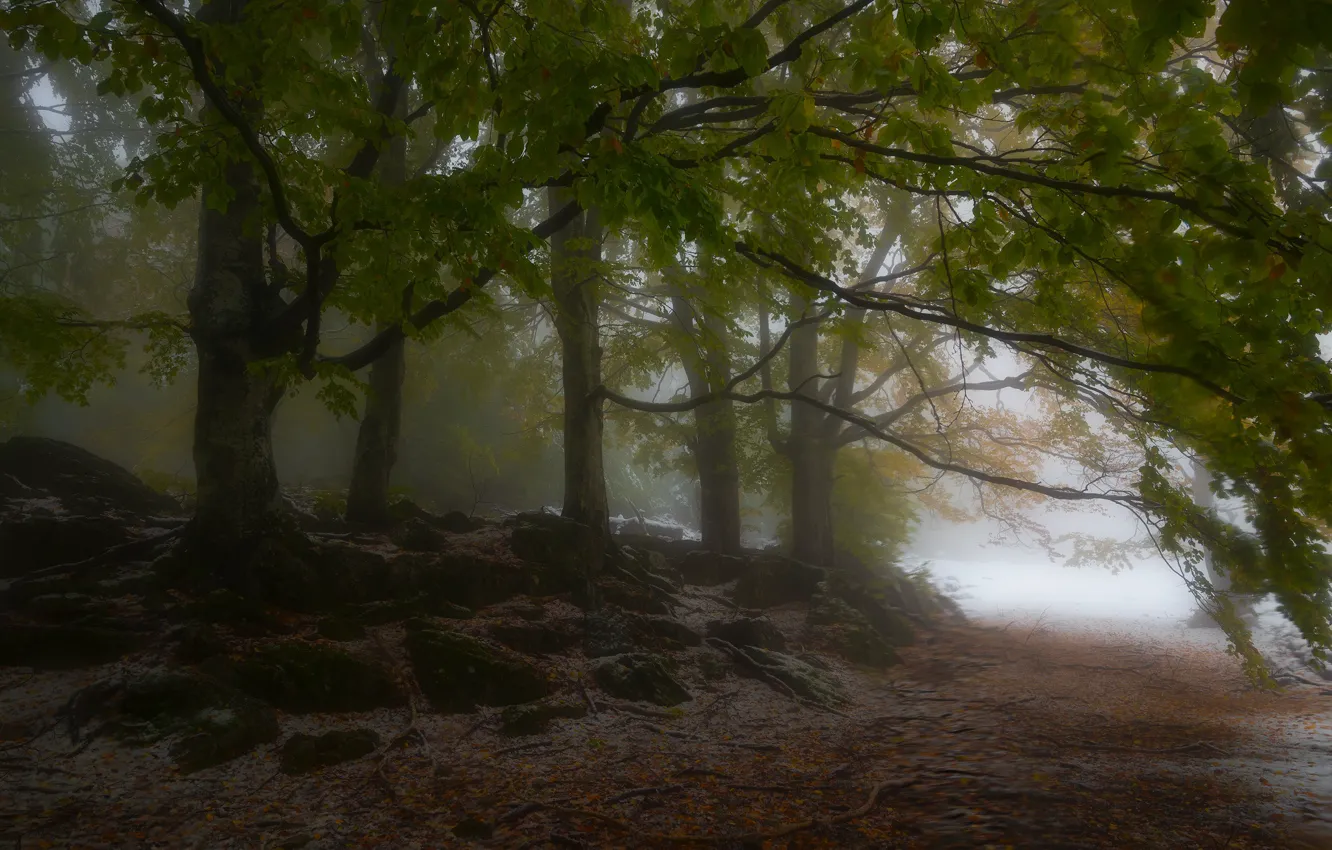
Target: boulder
{"type": "Point", "coordinates": [340, 629]}
{"type": "Point", "coordinates": [212, 723]}
{"type": "Point", "coordinates": [536, 638]}
{"type": "Point", "coordinates": [84, 482]}
{"type": "Point", "coordinates": [748, 631]}
{"type": "Point", "coordinates": [417, 535]}
{"type": "Point", "coordinates": [31, 542]}
{"type": "Point", "coordinates": [651, 568]}
{"type": "Point", "coordinates": [562, 546]}
{"type": "Point", "coordinates": [644, 599]}
{"type": "Point", "coordinates": [834, 598]}
{"type": "Point", "coordinates": [860, 644]}
{"type": "Point", "coordinates": [801, 677]}
{"type": "Point", "coordinates": [535, 718]}
{"type": "Point", "coordinates": [306, 678]}
{"type": "Point", "coordinates": [67, 646]}
{"type": "Point", "coordinates": [613, 631]}
{"type": "Point", "coordinates": [458, 672]}
{"type": "Point", "coordinates": [773, 580]}
{"type": "Point", "coordinates": [671, 633]}
{"type": "Point", "coordinates": [711, 568]}
{"type": "Point", "coordinates": [303, 753]}
{"type": "Point", "coordinates": [641, 678]}
{"type": "Point", "coordinates": [197, 642]}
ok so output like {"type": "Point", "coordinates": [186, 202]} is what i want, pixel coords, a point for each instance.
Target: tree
{"type": "Point", "coordinates": [1112, 237]}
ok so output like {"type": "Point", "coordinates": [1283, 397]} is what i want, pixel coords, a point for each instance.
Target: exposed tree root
{"type": "Point", "coordinates": [765, 673]}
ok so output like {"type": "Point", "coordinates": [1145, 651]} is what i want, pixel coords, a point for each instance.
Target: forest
{"type": "Point", "coordinates": [505, 422]}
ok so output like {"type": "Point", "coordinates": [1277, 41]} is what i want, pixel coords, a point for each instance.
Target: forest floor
{"type": "Point", "coordinates": [999, 735]}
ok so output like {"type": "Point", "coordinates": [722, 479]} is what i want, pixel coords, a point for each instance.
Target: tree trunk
{"type": "Point", "coordinates": [810, 453]}
{"type": "Point", "coordinates": [238, 496]}
{"type": "Point", "coordinates": [574, 253]}
{"type": "Point", "coordinates": [230, 306]}
{"type": "Point", "coordinates": [377, 439]}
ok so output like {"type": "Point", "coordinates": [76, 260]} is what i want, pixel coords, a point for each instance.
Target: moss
{"type": "Point", "coordinates": [535, 718]}
{"type": "Point", "coordinates": [306, 678]}
{"type": "Point", "coordinates": [304, 753]}
{"type": "Point", "coordinates": [65, 647]}
{"type": "Point", "coordinates": [641, 678]}
{"type": "Point", "coordinates": [458, 673]}
{"type": "Point", "coordinates": [216, 723]}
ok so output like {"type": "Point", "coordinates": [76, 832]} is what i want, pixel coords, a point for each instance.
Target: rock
{"type": "Point", "coordinates": [748, 631]}
{"type": "Point", "coordinates": [535, 638]}
{"type": "Point", "coordinates": [213, 722]}
{"type": "Point", "coordinates": [304, 753]}
{"type": "Point", "coordinates": [65, 647]}
{"type": "Point", "coordinates": [854, 635]}
{"type": "Point", "coordinates": [562, 546]}
{"type": "Point", "coordinates": [651, 568]}
{"type": "Point", "coordinates": [671, 633]}
{"type": "Point", "coordinates": [711, 568]}
{"type": "Point", "coordinates": [395, 611]}
{"type": "Point", "coordinates": [860, 644]}
{"type": "Point", "coordinates": [472, 579]}
{"type": "Point", "coordinates": [60, 607]}
{"type": "Point", "coordinates": [340, 629]}
{"type": "Point", "coordinates": [245, 616]}
{"type": "Point", "coordinates": [32, 542]}
{"type": "Point", "coordinates": [713, 667]}
{"type": "Point", "coordinates": [531, 612]}
{"type": "Point", "coordinates": [834, 599]}
{"type": "Point", "coordinates": [198, 642]}
{"type": "Point", "coordinates": [306, 678]}
{"type": "Point", "coordinates": [773, 580]}
{"type": "Point", "coordinates": [457, 522]}
{"type": "Point", "coordinates": [802, 678]}
{"type": "Point", "coordinates": [612, 631]}
{"type": "Point", "coordinates": [641, 678]}
{"type": "Point", "coordinates": [417, 535]}
{"type": "Point", "coordinates": [632, 597]}
{"type": "Point", "coordinates": [534, 718]}
{"type": "Point", "coordinates": [473, 829]}
{"type": "Point", "coordinates": [458, 672]}
{"type": "Point", "coordinates": [84, 482]}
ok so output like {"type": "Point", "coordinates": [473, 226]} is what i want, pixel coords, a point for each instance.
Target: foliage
{"type": "Point", "coordinates": [1087, 187]}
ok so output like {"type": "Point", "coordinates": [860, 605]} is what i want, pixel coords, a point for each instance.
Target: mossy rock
{"type": "Point", "coordinates": [306, 678]}
{"type": "Point", "coordinates": [613, 631]}
{"type": "Point", "coordinates": [563, 547]}
{"type": "Point", "coordinates": [198, 642]}
{"type": "Point", "coordinates": [644, 599]}
{"type": "Point", "coordinates": [748, 631]}
{"type": "Point", "coordinates": [340, 629]}
{"type": "Point", "coordinates": [709, 569]}
{"type": "Point", "coordinates": [773, 580]}
{"type": "Point", "coordinates": [458, 672]}
{"type": "Point", "coordinates": [858, 608]}
{"type": "Point", "coordinates": [397, 610]}
{"type": "Point", "coordinates": [861, 644]}
{"type": "Point", "coordinates": [535, 718]}
{"type": "Point", "coordinates": [802, 678]}
{"type": "Point", "coordinates": [713, 667]}
{"type": "Point", "coordinates": [536, 638]}
{"type": "Point", "coordinates": [671, 633]}
{"type": "Point", "coordinates": [65, 647]}
{"type": "Point", "coordinates": [641, 678]}
{"type": "Point", "coordinates": [304, 753]}
{"type": "Point", "coordinates": [244, 615]}
{"type": "Point", "coordinates": [215, 723]}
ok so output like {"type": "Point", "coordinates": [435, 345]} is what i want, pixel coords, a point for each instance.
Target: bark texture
{"type": "Point", "coordinates": [574, 254]}
{"type": "Point", "coordinates": [707, 367]}
{"type": "Point", "coordinates": [381, 423]}
{"type": "Point", "coordinates": [238, 492]}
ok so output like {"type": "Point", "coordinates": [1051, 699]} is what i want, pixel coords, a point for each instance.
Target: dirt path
{"type": "Point", "coordinates": [984, 736]}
